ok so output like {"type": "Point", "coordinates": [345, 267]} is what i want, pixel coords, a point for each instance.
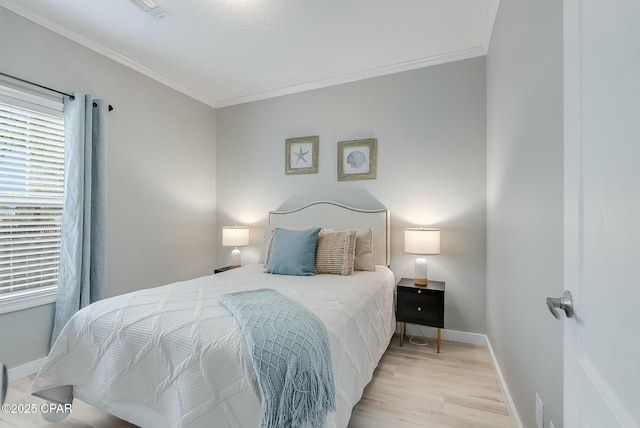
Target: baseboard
{"type": "Point", "coordinates": [452, 335]}
{"type": "Point", "coordinates": [26, 369]}
{"type": "Point", "coordinates": [513, 412]}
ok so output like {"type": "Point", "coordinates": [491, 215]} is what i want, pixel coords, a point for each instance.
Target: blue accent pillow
{"type": "Point", "coordinates": [293, 252]}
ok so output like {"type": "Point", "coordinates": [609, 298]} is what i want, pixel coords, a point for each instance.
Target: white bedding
{"type": "Point", "coordinates": [172, 356]}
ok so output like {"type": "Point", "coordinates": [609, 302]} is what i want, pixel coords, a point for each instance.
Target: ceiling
{"type": "Point", "coordinates": [225, 52]}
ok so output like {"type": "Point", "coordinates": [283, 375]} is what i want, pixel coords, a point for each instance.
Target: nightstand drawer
{"type": "Point", "coordinates": [425, 313]}
{"type": "Point", "coordinates": [416, 295]}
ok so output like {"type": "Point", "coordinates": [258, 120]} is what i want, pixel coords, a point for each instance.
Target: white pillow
{"type": "Point", "coordinates": [364, 250]}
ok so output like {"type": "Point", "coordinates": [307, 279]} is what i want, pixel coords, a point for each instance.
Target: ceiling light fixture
{"type": "Point", "coordinates": [151, 8]}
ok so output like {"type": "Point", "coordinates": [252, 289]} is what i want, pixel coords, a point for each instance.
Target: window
{"type": "Point", "coordinates": [31, 196]}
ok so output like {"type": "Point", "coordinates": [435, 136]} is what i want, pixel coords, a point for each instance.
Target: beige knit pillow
{"type": "Point", "coordinates": [335, 252]}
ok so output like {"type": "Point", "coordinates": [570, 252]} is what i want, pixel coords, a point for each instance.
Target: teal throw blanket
{"type": "Point", "coordinates": [289, 347]}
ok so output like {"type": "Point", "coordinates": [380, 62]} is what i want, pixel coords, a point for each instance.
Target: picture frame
{"type": "Point", "coordinates": [357, 159]}
{"type": "Point", "coordinates": [301, 155]}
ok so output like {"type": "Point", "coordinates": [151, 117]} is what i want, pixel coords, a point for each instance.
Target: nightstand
{"type": "Point", "coordinates": [422, 305]}
{"type": "Point", "coordinates": [223, 269]}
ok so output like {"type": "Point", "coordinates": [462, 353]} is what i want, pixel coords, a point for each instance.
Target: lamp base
{"type": "Point", "coordinates": [235, 258]}
{"type": "Point", "coordinates": [421, 271]}
{"type": "Point", "coordinates": [420, 281]}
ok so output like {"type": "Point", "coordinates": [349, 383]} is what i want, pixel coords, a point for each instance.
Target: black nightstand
{"type": "Point", "coordinates": [422, 305]}
{"type": "Point", "coordinates": [223, 269]}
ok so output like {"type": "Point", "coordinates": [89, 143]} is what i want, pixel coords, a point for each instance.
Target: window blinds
{"type": "Point", "coordinates": [31, 197]}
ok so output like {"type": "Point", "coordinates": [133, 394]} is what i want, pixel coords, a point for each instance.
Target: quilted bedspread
{"type": "Point", "coordinates": [172, 356]}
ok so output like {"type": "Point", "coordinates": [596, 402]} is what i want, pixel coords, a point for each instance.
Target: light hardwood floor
{"type": "Point", "coordinates": [413, 386]}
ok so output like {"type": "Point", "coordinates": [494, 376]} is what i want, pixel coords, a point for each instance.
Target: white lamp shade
{"type": "Point", "coordinates": [422, 241]}
{"type": "Point", "coordinates": [235, 236]}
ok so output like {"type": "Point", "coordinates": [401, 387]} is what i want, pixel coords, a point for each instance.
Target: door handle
{"type": "Point", "coordinates": [565, 303]}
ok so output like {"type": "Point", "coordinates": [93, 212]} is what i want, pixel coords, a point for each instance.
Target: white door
{"type": "Point", "coordinates": [602, 213]}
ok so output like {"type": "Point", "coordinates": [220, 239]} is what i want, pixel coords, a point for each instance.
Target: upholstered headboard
{"type": "Point", "coordinates": [338, 216]}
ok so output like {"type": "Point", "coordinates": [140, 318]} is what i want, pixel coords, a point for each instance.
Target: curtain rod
{"type": "Point", "coordinates": [45, 87]}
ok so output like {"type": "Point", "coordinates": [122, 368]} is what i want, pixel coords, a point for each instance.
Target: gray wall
{"type": "Point", "coordinates": [431, 131]}
{"type": "Point", "coordinates": [525, 202]}
{"type": "Point", "coordinates": [160, 172]}
{"type": "Point", "coordinates": [484, 167]}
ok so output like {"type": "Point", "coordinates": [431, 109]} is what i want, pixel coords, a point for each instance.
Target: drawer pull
{"type": "Point", "coordinates": [419, 291]}
{"type": "Point", "coordinates": [419, 309]}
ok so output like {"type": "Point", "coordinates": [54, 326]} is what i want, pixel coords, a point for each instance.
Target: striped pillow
{"type": "Point", "coordinates": [335, 252]}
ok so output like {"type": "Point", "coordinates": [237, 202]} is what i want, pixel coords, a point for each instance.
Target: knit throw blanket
{"type": "Point", "coordinates": [289, 347]}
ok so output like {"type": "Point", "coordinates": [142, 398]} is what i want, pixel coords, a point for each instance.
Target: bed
{"type": "Point", "coordinates": [171, 356]}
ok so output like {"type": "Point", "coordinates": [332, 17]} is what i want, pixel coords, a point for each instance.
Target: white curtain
{"type": "Point", "coordinates": [82, 255]}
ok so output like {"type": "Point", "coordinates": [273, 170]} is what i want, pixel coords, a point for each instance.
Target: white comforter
{"type": "Point", "coordinates": [172, 356]}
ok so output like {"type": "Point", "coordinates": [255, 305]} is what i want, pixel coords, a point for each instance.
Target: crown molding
{"type": "Point", "coordinates": [360, 75]}
{"type": "Point", "coordinates": [490, 20]}
{"type": "Point", "coordinates": [37, 17]}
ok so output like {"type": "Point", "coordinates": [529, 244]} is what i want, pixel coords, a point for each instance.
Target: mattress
{"type": "Point", "coordinates": [173, 357]}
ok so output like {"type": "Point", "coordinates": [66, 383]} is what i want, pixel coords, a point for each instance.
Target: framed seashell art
{"type": "Point", "coordinates": [357, 159]}
{"type": "Point", "coordinates": [301, 155]}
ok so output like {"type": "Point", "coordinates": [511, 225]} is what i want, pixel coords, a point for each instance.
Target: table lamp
{"type": "Point", "coordinates": [421, 241]}
{"type": "Point", "coordinates": [235, 236]}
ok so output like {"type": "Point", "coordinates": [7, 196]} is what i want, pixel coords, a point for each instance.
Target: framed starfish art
{"type": "Point", "coordinates": [301, 155]}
